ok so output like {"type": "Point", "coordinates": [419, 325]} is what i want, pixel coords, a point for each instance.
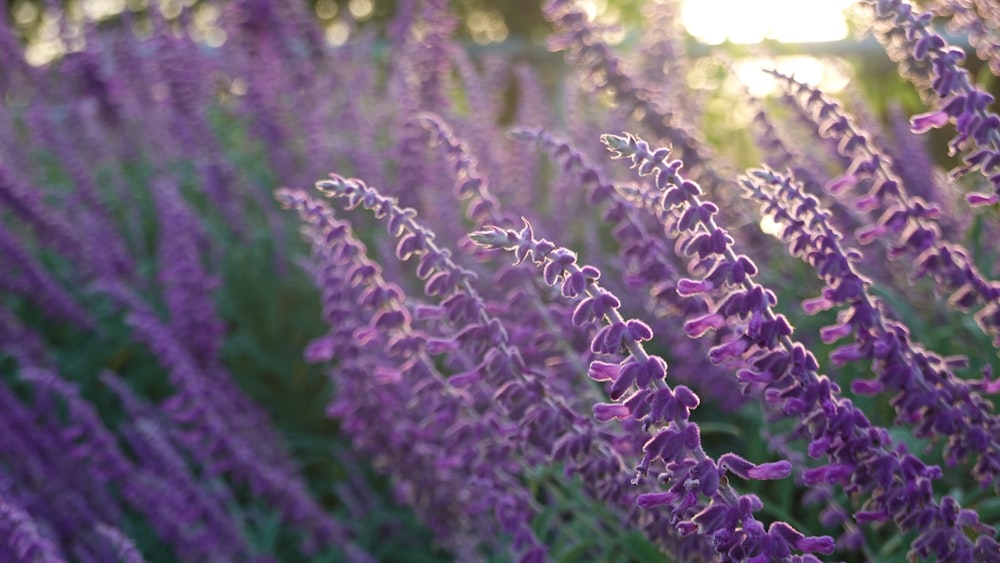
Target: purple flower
{"type": "Point", "coordinates": [977, 126]}
{"type": "Point", "coordinates": [910, 219]}
{"type": "Point", "coordinates": [21, 538]}
{"type": "Point", "coordinates": [474, 333]}
{"type": "Point", "coordinates": [927, 121]}
{"type": "Point", "coordinates": [123, 546]}
{"type": "Point", "coordinates": [587, 48]}
{"type": "Point", "coordinates": [795, 389]}
{"type": "Point", "coordinates": [677, 444]}
{"type": "Point", "coordinates": [649, 263]}
{"type": "Point", "coordinates": [929, 393]}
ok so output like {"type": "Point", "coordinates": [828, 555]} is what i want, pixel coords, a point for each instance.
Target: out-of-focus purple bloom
{"type": "Point", "coordinates": [979, 21]}
{"type": "Point", "coordinates": [20, 538]}
{"type": "Point", "coordinates": [50, 227]}
{"type": "Point", "coordinates": [123, 546]}
{"type": "Point", "coordinates": [915, 166]}
{"type": "Point", "coordinates": [210, 437]}
{"type": "Point", "coordinates": [187, 286]}
{"type": "Point", "coordinates": [606, 72]}
{"type": "Point", "coordinates": [21, 274]}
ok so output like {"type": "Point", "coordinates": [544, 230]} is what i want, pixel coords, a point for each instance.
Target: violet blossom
{"type": "Point", "coordinates": [640, 393]}
{"type": "Point", "coordinates": [978, 128]}
{"type": "Point", "coordinates": [862, 457]}
{"type": "Point", "coordinates": [443, 408]}
{"type": "Point", "coordinates": [928, 393]}
{"type": "Point", "coordinates": [910, 218]}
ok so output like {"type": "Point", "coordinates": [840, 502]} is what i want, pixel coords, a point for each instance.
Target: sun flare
{"type": "Point", "coordinates": [742, 21]}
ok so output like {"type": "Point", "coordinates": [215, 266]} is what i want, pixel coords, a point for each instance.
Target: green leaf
{"type": "Point", "coordinates": [575, 552]}
{"type": "Point", "coordinates": [639, 549]}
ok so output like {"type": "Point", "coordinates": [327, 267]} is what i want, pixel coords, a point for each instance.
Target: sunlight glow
{"type": "Point", "coordinates": [751, 21]}
{"type": "Point", "coordinates": [831, 75]}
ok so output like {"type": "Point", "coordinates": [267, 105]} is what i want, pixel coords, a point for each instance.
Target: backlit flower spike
{"type": "Point", "coordinates": [353, 294]}
{"type": "Point", "coordinates": [650, 261]}
{"type": "Point", "coordinates": [663, 53]}
{"type": "Point", "coordinates": [960, 99]}
{"type": "Point", "coordinates": [520, 391]}
{"type": "Point", "coordinates": [781, 153]}
{"type": "Point", "coordinates": [518, 168]}
{"type": "Point", "coordinates": [606, 72]}
{"type": "Point", "coordinates": [911, 220]}
{"type": "Point", "coordinates": [444, 278]}
{"type": "Point", "coordinates": [980, 28]}
{"type": "Point", "coordinates": [925, 391]}
{"type": "Point", "coordinates": [537, 320]}
{"type": "Point", "coordinates": [428, 50]}
{"type": "Point", "coordinates": [585, 450]}
{"type": "Point", "coordinates": [439, 444]}
{"type": "Point", "coordinates": [476, 331]}
{"type": "Point", "coordinates": [485, 89]}
{"type": "Point", "coordinates": [641, 394]}
{"type": "Point", "coordinates": [862, 458]}
{"type": "Point", "coordinates": [470, 183]}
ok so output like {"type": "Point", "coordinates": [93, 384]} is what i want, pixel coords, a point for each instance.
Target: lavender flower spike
{"type": "Point", "coordinates": [912, 220]}
{"type": "Point", "coordinates": [927, 393]}
{"type": "Point", "coordinates": [123, 546]}
{"type": "Point", "coordinates": [863, 458]}
{"type": "Point", "coordinates": [642, 395]}
{"type": "Point", "coordinates": [978, 127]}
{"type": "Point", "coordinates": [20, 538]}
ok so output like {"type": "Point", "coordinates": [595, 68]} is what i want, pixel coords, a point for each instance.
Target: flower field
{"type": "Point", "coordinates": [283, 282]}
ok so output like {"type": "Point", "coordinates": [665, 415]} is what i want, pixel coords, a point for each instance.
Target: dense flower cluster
{"type": "Point", "coordinates": [862, 457]}
{"type": "Point", "coordinates": [960, 98]}
{"type": "Point", "coordinates": [189, 373]}
{"type": "Point", "coordinates": [728, 518]}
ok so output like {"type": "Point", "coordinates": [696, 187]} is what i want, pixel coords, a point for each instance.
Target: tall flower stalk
{"type": "Point", "coordinates": [468, 437]}
{"type": "Point", "coordinates": [606, 70]}
{"type": "Point", "coordinates": [651, 263]}
{"type": "Point", "coordinates": [638, 387]}
{"type": "Point", "coordinates": [862, 457]}
{"type": "Point", "coordinates": [928, 394]}
{"type": "Point", "coordinates": [911, 219]}
{"type": "Point", "coordinates": [960, 100]}
{"type": "Point", "coordinates": [538, 408]}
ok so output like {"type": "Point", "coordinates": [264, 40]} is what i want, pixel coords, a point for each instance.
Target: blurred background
{"type": "Point", "coordinates": [255, 131]}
